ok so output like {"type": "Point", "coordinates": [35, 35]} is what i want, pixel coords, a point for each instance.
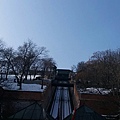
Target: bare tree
{"type": "Point", "coordinates": [102, 70]}
{"type": "Point", "coordinates": [26, 58]}
{"type": "Point", "coordinates": [48, 65]}
{"type": "Point", "coordinates": [28, 53]}
{"type": "Point", "coordinates": [73, 68]}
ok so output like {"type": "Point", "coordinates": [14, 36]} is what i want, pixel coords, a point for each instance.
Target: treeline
{"type": "Point", "coordinates": [28, 59]}
{"type": "Point", "coordinates": [102, 70]}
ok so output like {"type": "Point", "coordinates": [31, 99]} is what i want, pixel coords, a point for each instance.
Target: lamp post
{"type": "Point", "coordinates": [43, 77]}
{"type": "Point", "coordinates": [42, 84]}
{"type": "Point", "coordinates": [1, 101]}
{"type": "Point", "coordinates": [1, 74]}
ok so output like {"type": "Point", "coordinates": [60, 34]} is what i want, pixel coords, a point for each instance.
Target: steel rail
{"type": "Point", "coordinates": [61, 106]}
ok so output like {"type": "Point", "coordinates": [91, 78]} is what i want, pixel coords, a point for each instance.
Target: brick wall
{"type": "Point", "coordinates": [102, 104]}
{"type": "Point", "coordinates": [13, 101]}
{"type": "Point", "coordinates": [22, 95]}
{"type": "Point", "coordinates": [75, 96]}
{"type": "Point", "coordinates": [43, 97]}
{"type": "Point", "coordinates": [47, 96]}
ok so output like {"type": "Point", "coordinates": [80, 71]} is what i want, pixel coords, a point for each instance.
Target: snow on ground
{"type": "Point", "coordinates": [11, 85]}
{"type": "Point", "coordinates": [92, 90]}
{"type": "Point", "coordinates": [25, 87]}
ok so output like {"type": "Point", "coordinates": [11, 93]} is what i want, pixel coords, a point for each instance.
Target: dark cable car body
{"type": "Point", "coordinates": [63, 74]}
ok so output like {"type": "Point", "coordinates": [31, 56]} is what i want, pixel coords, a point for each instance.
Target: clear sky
{"type": "Point", "coordinates": [72, 30]}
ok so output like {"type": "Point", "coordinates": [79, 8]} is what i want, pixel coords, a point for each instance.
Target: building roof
{"type": "Point", "coordinates": [34, 111]}
{"type": "Point", "coordinates": [85, 113]}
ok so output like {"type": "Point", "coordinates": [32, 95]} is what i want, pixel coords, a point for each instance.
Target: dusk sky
{"type": "Point", "coordinates": [72, 30]}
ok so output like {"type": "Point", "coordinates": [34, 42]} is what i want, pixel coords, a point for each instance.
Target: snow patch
{"type": "Point", "coordinates": [25, 87]}
{"type": "Point", "coordinates": [92, 90]}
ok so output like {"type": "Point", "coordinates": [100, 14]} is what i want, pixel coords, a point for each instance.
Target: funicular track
{"type": "Point", "coordinates": [61, 105]}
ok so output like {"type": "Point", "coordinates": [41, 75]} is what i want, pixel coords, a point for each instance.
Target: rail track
{"type": "Point", "coordinates": [61, 105]}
